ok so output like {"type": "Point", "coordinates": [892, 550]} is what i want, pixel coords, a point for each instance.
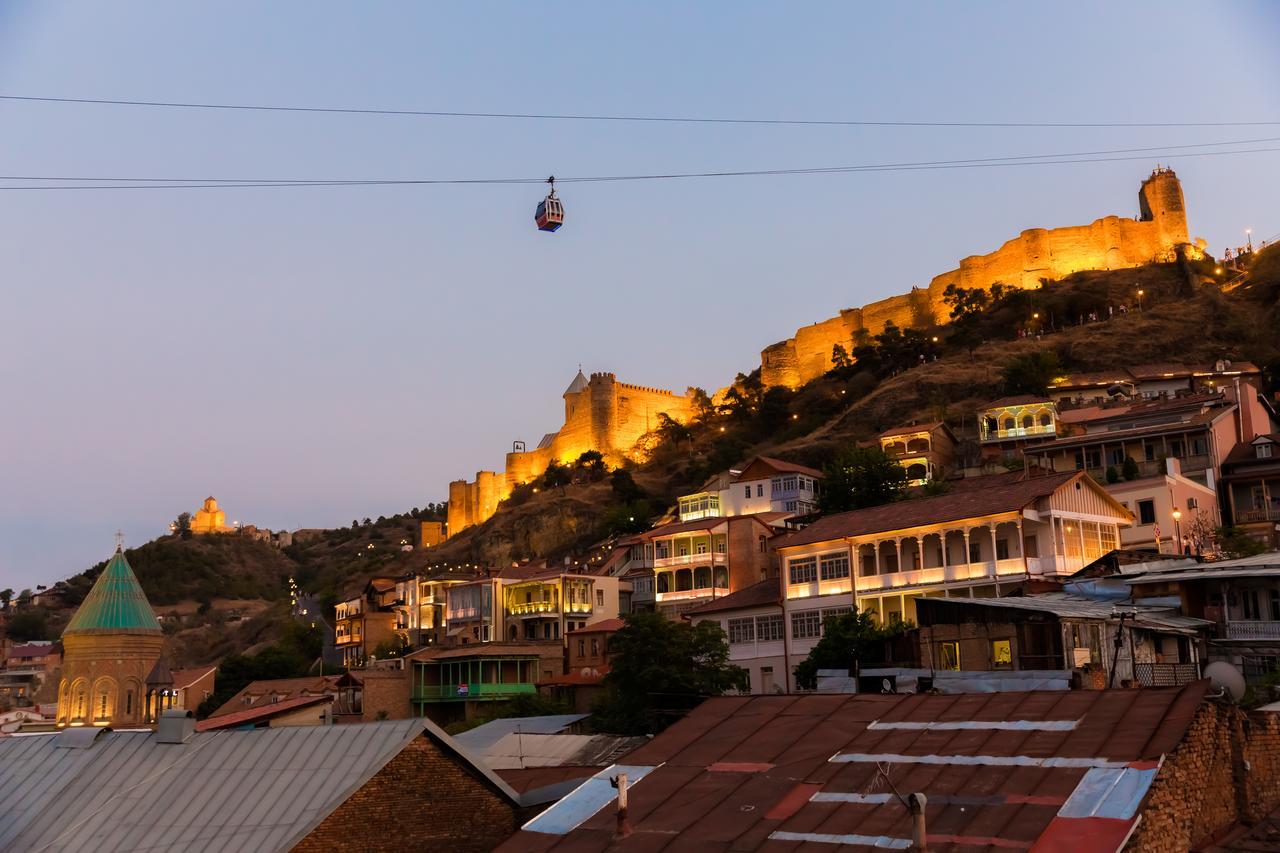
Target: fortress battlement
{"type": "Point", "coordinates": [1108, 243]}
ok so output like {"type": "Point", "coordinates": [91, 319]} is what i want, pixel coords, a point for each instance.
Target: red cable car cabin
{"type": "Point", "coordinates": [550, 213]}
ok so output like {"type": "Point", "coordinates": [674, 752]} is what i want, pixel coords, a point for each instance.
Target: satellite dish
{"type": "Point", "coordinates": [1225, 676]}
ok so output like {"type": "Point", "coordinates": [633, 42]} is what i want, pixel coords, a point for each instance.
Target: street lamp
{"type": "Point", "coordinates": [1248, 239]}
{"type": "Point", "coordinates": [1140, 293]}
{"type": "Point", "coordinates": [1177, 528]}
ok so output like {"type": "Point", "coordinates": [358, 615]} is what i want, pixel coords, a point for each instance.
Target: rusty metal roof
{"type": "Point", "coordinates": [1001, 771]}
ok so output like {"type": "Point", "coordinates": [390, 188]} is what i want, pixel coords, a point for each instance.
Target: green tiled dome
{"type": "Point", "coordinates": [115, 605]}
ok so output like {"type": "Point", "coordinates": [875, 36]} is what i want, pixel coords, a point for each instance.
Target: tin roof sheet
{"type": "Point", "coordinates": [773, 772]}
{"type": "Point", "coordinates": [259, 790]}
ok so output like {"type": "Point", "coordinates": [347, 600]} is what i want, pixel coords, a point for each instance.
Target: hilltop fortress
{"type": "Point", "coordinates": [600, 413]}
{"type": "Point", "coordinates": [1037, 253]}
{"type": "Point", "coordinates": [603, 414]}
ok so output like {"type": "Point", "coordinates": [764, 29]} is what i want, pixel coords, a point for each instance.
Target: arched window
{"type": "Point", "coordinates": [917, 472]}
{"type": "Point", "coordinates": [722, 577]}
{"type": "Point", "coordinates": [664, 582]}
{"type": "Point", "coordinates": [80, 700]}
{"type": "Point", "coordinates": [702, 578]}
{"type": "Point", "coordinates": [104, 699]}
{"type": "Point", "coordinates": [684, 580]}
{"type": "Point", "coordinates": [1028, 422]}
{"type": "Point", "coordinates": [1008, 423]}
{"type": "Point", "coordinates": [918, 445]}
{"type": "Point", "coordinates": [1046, 419]}
{"type": "Point", "coordinates": [896, 448]}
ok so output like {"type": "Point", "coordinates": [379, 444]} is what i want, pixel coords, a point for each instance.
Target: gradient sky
{"type": "Point", "coordinates": [314, 355]}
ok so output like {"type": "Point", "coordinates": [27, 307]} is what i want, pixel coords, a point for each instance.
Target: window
{"type": "Point", "coordinates": [1027, 422]}
{"type": "Point", "coordinates": [1110, 537]}
{"type": "Point", "coordinates": [769, 628]}
{"type": "Point", "coordinates": [1249, 604]}
{"type": "Point", "coordinates": [949, 655]}
{"type": "Point", "coordinates": [834, 566]}
{"type": "Point", "coordinates": [1002, 549]}
{"type": "Point", "coordinates": [599, 598]}
{"type": "Point", "coordinates": [834, 613]}
{"type": "Point", "coordinates": [741, 631]}
{"type": "Point", "coordinates": [1147, 512]}
{"type": "Point", "coordinates": [748, 491]}
{"type": "Point", "coordinates": [803, 570]}
{"type": "Point", "coordinates": [806, 625]}
{"type": "Point", "coordinates": [1045, 419]}
{"type": "Point", "coordinates": [1199, 446]}
{"type": "Point", "coordinates": [702, 578]}
{"type": "Point", "coordinates": [1176, 448]}
{"type": "Point", "coordinates": [1275, 605]}
{"type": "Point", "coordinates": [582, 648]}
{"type": "Point", "coordinates": [764, 543]}
{"type": "Point", "coordinates": [1115, 456]}
{"type": "Point", "coordinates": [1192, 503]}
{"type": "Point", "coordinates": [1263, 451]}
{"type": "Point", "coordinates": [975, 552]}
{"type": "Point", "coordinates": [595, 646]}
{"type": "Point", "coordinates": [759, 490]}
{"type": "Point", "coordinates": [1002, 654]}
{"type": "Point", "coordinates": [664, 582]}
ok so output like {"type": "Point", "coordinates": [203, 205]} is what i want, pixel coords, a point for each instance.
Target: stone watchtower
{"type": "Point", "coordinates": [1160, 201]}
{"type": "Point", "coordinates": [112, 646]}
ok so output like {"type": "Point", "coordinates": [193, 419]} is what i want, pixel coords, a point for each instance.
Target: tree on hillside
{"type": "Point", "coordinates": [848, 641]}
{"type": "Point", "coordinates": [860, 477]}
{"type": "Point", "coordinates": [703, 409]}
{"type": "Point", "coordinates": [840, 358]}
{"type": "Point", "coordinates": [671, 431]}
{"type": "Point", "coordinates": [6, 596]}
{"type": "Point", "coordinates": [592, 462]}
{"type": "Point", "coordinates": [1031, 372]}
{"type": "Point", "coordinates": [660, 669]}
{"type": "Point", "coordinates": [29, 624]}
{"type": "Point", "coordinates": [624, 485]}
{"type": "Point", "coordinates": [182, 525]}
{"type": "Point", "coordinates": [556, 476]}
{"type": "Point", "coordinates": [626, 518]}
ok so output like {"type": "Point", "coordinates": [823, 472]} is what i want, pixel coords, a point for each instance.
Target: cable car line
{"type": "Point", "coordinates": [628, 118]}
{"type": "Point", "coordinates": [242, 183]}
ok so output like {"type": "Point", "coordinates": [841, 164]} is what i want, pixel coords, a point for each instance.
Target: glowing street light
{"type": "Point", "coordinates": [1140, 293]}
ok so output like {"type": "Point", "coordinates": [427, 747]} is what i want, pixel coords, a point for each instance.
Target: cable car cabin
{"type": "Point", "coordinates": [550, 214]}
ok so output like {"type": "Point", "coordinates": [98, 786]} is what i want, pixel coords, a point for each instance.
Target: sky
{"type": "Point", "coordinates": [313, 355]}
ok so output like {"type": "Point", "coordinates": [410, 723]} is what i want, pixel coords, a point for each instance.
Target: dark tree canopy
{"type": "Point", "coordinates": [659, 669]}
{"type": "Point", "coordinates": [860, 477]}
{"type": "Point", "coordinates": [1031, 373]}
{"type": "Point", "coordinates": [848, 641]}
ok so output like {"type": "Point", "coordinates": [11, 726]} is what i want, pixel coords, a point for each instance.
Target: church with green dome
{"type": "Point", "coordinates": [113, 669]}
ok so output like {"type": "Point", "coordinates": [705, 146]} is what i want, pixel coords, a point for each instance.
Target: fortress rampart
{"type": "Point", "coordinates": [600, 413]}
{"type": "Point", "coordinates": [1109, 243]}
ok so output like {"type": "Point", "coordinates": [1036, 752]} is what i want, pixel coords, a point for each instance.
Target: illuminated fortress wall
{"type": "Point", "coordinates": [1038, 253]}
{"type": "Point", "coordinates": [600, 413]}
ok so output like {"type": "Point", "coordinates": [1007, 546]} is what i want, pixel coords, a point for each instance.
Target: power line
{"type": "Point", "coordinates": [628, 118]}
{"type": "Point", "coordinates": [1158, 149]}
{"type": "Point", "coordinates": [230, 183]}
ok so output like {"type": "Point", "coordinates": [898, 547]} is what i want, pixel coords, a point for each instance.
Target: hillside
{"type": "Point", "coordinates": [225, 593]}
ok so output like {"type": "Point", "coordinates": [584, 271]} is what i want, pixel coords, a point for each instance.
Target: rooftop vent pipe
{"type": "Point", "coordinates": [176, 726]}
{"type": "Point", "coordinates": [916, 803]}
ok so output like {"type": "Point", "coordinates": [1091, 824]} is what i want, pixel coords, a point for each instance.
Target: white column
{"type": "Point", "coordinates": [995, 559]}
{"type": "Point", "coordinates": [965, 533]}
{"type": "Point", "coordinates": [876, 545]}
{"type": "Point", "coordinates": [942, 537]}
{"type": "Point", "coordinates": [897, 549]}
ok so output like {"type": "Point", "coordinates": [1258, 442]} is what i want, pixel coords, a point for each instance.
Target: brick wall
{"type": "Point", "coordinates": [385, 694]}
{"type": "Point", "coordinates": [1226, 769]}
{"type": "Point", "coordinates": [423, 799]}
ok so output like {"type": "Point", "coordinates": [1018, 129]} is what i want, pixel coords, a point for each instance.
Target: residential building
{"type": "Point", "coordinates": [1171, 513]}
{"type": "Point", "coordinates": [426, 616]}
{"type": "Point", "coordinates": [986, 537]}
{"type": "Point", "coordinates": [697, 561]}
{"type": "Point", "coordinates": [1105, 643]}
{"type": "Point", "coordinates": [307, 790]}
{"type": "Point", "coordinates": [366, 621]}
{"type": "Point", "coordinates": [271, 691]}
{"type": "Point", "coordinates": [1241, 598]}
{"type": "Point", "coordinates": [473, 611]}
{"type": "Point", "coordinates": [587, 663]}
{"type": "Point", "coordinates": [1150, 769]}
{"type": "Point", "coordinates": [754, 621]}
{"type": "Point", "coordinates": [373, 693]}
{"type": "Point", "coordinates": [1251, 484]}
{"type": "Point", "coordinates": [546, 605]}
{"type": "Point", "coordinates": [24, 670]}
{"type": "Point", "coordinates": [1007, 425]}
{"type": "Point", "coordinates": [298, 711]}
{"type": "Point", "coordinates": [193, 686]}
{"type": "Point", "coordinates": [1152, 381]}
{"type": "Point", "coordinates": [1196, 430]}
{"type": "Point", "coordinates": [925, 451]}
{"type": "Point", "coordinates": [762, 485]}
{"type": "Point", "coordinates": [450, 684]}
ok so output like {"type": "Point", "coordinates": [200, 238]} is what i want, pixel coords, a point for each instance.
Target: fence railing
{"type": "Point", "coordinates": [1166, 674]}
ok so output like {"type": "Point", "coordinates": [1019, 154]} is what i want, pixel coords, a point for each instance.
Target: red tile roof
{"type": "Point", "coordinates": [910, 428]}
{"type": "Point", "coordinates": [602, 625]}
{"type": "Point", "coordinates": [187, 677]}
{"type": "Point", "coordinates": [972, 501]}
{"type": "Point", "coordinates": [1017, 400]}
{"type": "Point", "coordinates": [773, 772]}
{"type": "Point", "coordinates": [35, 650]}
{"type": "Point", "coordinates": [766, 466]}
{"type": "Point", "coordinates": [760, 594]}
{"type": "Point", "coordinates": [258, 714]}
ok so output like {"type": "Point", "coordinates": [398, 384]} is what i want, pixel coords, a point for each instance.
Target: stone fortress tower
{"type": "Point", "coordinates": [113, 648]}
{"type": "Point", "coordinates": [1109, 243]}
{"type": "Point", "coordinates": [600, 413]}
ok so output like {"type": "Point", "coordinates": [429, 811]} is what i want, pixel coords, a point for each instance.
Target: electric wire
{"type": "Point", "coordinates": [228, 183]}
{"type": "Point", "coordinates": [656, 119]}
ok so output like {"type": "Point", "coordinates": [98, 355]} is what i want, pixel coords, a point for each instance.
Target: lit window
{"type": "Point", "coordinates": [1001, 654]}
{"type": "Point", "coordinates": [803, 570]}
{"type": "Point", "coordinates": [949, 656]}
{"type": "Point", "coordinates": [834, 566]}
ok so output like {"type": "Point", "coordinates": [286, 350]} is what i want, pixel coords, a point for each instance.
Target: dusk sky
{"type": "Point", "coordinates": [313, 355]}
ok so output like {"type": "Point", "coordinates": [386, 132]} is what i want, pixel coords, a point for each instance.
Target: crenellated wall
{"type": "Point", "coordinates": [603, 414]}
{"type": "Point", "coordinates": [1037, 253]}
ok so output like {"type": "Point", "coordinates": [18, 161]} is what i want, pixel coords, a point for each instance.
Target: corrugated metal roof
{"type": "Point", "coordinates": [523, 750]}
{"type": "Point", "coordinates": [115, 604]}
{"type": "Point", "coordinates": [482, 738]}
{"type": "Point", "coordinates": [259, 790]}
{"type": "Point", "coordinates": [761, 773]}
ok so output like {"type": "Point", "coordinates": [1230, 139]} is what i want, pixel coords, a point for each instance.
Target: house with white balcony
{"type": "Point", "coordinates": [762, 485]}
{"type": "Point", "coordinates": [548, 604]}
{"type": "Point", "coordinates": [985, 538]}
{"type": "Point", "coordinates": [1241, 598]}
{"type": "Point", "coordinates": [1008, 424]}
{"type": "Point", "coordinates": [925, 451]}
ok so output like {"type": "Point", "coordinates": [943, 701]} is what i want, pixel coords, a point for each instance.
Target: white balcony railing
{"type": "Point", "coordinates": [683, 594]}
{"type": "Point", "coordinates": [684, 560]}
{"type": "Point", "coordinates": [1253, 630]}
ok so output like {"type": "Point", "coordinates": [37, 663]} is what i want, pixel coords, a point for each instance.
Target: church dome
{"type": "Point", "coordinates": [115, 605]}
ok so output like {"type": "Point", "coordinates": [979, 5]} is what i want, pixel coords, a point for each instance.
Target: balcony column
{"type": "Point", "coordinates": [879, 570]}
{"type": "Point", "coordinates": [1022, 548]}
{"type": "Point", "coordinates": [942, 537]}
{"type": "Point", "coordinates": [995, 558]}
{"type": "Point", "coordinates": [965, 533]}
{"type": "Point", "coordinates": [897, 547]}
{"type": "Point", "coordinates": [920, 552]}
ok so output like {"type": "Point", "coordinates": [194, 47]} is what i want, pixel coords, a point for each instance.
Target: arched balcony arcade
{"type": "Point", "coordinates": [954, 555]}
